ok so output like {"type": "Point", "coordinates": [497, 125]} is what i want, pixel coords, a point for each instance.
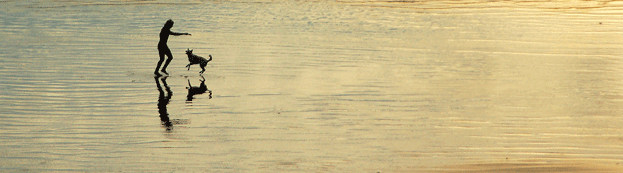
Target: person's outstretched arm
{"type": "Point", "coordinates": [175, 33]}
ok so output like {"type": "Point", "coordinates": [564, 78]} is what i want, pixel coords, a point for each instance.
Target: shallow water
{"type": "Point", "coordinates": [322, 86]}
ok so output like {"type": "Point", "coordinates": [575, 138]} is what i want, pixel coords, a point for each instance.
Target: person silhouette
{"type": "Point", "coordinates": [163, 49]}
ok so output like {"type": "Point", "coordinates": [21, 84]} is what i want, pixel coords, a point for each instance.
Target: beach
{"type": "Point", "coordinates": [312, 86]}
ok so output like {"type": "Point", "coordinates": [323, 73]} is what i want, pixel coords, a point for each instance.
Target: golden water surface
{"type": "Point", "coordinates": [313, 86]}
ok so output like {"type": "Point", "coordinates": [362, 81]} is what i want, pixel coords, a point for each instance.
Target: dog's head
{"type": "Point", "coordinates": [189, 51]}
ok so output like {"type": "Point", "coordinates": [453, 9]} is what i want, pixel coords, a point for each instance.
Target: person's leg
{"type": "Point", "coordinates": [164, 67]}
{"type": "Point", "coordinates": [159, 63]}
{"type": "Point", "coordinates": [167, 52]}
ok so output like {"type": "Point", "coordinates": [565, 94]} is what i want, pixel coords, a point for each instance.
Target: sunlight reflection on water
{"type": "Point", "coordinates": [323, 86]}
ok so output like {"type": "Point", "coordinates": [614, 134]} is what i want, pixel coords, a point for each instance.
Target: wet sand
{"type": "Point", "coordinates": [322, 86]}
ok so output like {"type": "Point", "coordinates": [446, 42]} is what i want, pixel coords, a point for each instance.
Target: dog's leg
{"type": "Point", "coordinates": [188, 66]}
{"type": "Point", "coordinates": [202, 69]}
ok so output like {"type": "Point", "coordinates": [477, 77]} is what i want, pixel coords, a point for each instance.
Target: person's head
{"type": "Point", "coordinates": [168, 24]}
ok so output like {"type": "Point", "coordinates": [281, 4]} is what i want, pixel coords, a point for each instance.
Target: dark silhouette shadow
{"type": "Point", "coordinates": [196, 59]}
{"type": "Point", "coordinates": [192, 91]}
{"type": "Point", "coordinates": [163, 49]}
{"type": "Point", "coordinates": [163, 100]}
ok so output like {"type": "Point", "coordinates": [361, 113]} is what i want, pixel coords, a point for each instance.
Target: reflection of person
{"type": "Point", "coordinates": [163, 49]}
{"type": "Point", "coordinates": [163, 100]}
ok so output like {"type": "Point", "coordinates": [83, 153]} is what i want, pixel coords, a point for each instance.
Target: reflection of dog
{"type": "Point", "coordinates": [202, 88]}
{"type": "Point", "coordinates": [194, 59]}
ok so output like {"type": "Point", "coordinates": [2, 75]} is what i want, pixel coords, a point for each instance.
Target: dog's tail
{"type": "Point", "coordinates": [210, 58]}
